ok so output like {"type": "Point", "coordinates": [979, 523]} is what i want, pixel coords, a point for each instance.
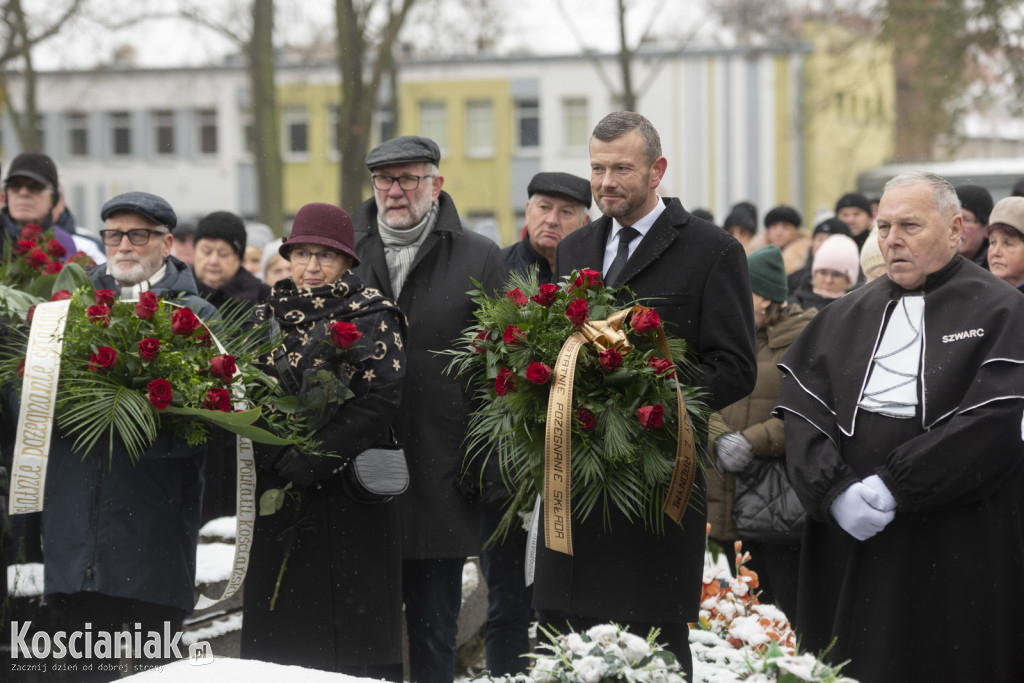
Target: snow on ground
{"type": "Point", "coordinates": [213, 562]}
{"type": "Point", "coordinates": [226, 670]}
{"type": "Point", "coordinates": [222, 528]}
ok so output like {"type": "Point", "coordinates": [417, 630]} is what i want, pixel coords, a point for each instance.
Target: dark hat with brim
{"type": "Point", "coordinates": [564, 184]}
{"type": "Point", "coordinates": [402, 150]}
{"type": "Point", "coordinates": [155, 209]}
{"type": "Point", "coordinates": [323, 224]}
{"type": "Point", "coordinates": [35, 166]}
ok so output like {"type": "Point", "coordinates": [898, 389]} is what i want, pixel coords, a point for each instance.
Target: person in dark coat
{"type": "Point", "coordinates": [902, 406]}
{"type": "Point", "coordinates": [834, 271]}
{"type": "Point", "coordinates": [557, 204]}
{"type": "Point", "coordinates": [218, 248]}
{"type": "Point", "coordinates": [854, 209]}
{"type": "Point", "coordinates": [119, 537]}
{"type": "Point", "coordinates": [413, 248]}
{"type": "Point", "coordinates": [695, 276]}
{"type": "Point", "coordinates": [337, 605]}
{"type": "Point", "coordinates": [975, 205]}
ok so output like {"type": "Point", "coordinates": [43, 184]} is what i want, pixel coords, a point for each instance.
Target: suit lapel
{"type": "Point", "coordinates": [591, 251]}
{"type": "Point", "coordinates": [652, 246]}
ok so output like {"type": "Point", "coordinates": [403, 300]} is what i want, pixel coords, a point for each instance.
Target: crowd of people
{"type": "Point", "coordinates": [867, 445]}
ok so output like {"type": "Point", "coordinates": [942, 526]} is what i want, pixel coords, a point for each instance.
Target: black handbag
{"type": "Point", "coordinates": [377, 474]}
{"type": "Point", "coordinates": [765, 507]}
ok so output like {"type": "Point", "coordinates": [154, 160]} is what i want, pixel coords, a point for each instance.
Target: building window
{"type": "Point", "coordinates": [206, 131]}
{"type": "Point", "coordinates": [77, 126]}
{"type": "Point", "coordinates": [479, 128]}
{"type": "Point", "coordinates": [577, 130]}
{"type": "Point", "coordinates": [433, 123]}
{"type": "Point", "coordinates": [163, 133]}
{"type": "Point", "coordinates": [333, 141]}
{"type": "Point", "coordinates": [527, 125]}
{"type": "Point", "coordinates": [383, 126]}
{"type": "Point", "coordinates": [120, 133]}
{"type": "Point", "coordinates": [296, 132]}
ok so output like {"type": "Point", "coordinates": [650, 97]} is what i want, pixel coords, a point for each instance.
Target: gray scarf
{"type": "Point", "coordinates": [400, 247]}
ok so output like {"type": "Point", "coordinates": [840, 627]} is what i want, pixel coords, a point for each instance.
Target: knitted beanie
{"type": "Point", "coordinates": [223, 225]}
{"type": "Point", "coordinates": [782, 214]}
{"type": "Point", "coordinates": [839, 253]}
{"type": "Point", "coordinates": [977, 200]}
{"type": "Point", "coordinates": [870, 254]}
{"type": "Point", "coordinates": [768, 273]}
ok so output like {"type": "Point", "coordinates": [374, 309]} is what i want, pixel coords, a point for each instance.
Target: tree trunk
{"type": "Point", "coordinates": [265, 119]}
{"type": "Point", "coordinates": [626, 62]}
{"type": "Point", "coordinates": [25, 123]}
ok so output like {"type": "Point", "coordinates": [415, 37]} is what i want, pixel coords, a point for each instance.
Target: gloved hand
{"type": "Point", "coordinates": [858, 510]}
{"type": "Point", "coordinates": [734, 452]}
{"type": "Point", "coordinates": [305, 470]}
{"type": "Point", "coordinates": [875, 483]}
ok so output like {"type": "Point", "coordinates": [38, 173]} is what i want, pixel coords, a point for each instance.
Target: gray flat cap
{"type": "Point", "coordinates": [565, 184]}
{"type": "Point", "coordinates": [402, 150]}
{"type": "Point", "coordinates": [156, 209]}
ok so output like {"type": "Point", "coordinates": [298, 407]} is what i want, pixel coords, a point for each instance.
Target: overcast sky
{"type": "Point", "coordinates": [538, 25]}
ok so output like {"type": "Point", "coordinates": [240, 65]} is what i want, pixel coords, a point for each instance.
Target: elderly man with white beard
{"type": "Point", "coordinates": [119, 537]}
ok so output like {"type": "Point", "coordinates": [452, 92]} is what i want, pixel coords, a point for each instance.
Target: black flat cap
{"type": "Point", "coordinates": [565, 184]}
{"type": "Point", "coordinates": [402, 150]}
{"type": "Point", "coordinates": [833, 226]}
{"type": "Point", "coordinates": [156, 209]}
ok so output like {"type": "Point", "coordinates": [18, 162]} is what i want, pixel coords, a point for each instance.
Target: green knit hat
{"type": "Point", "coordinates": [768, 273]}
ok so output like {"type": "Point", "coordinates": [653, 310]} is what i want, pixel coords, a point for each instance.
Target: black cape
{"type": "Point", "coordinates": [935, 595]}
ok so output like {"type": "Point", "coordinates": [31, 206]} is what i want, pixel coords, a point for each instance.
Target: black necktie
{"type": "Point", "coordinates": [626, 235]}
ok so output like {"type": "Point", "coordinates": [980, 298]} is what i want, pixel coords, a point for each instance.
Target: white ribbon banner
{"type": "Point", "coordinates": [35, 430]}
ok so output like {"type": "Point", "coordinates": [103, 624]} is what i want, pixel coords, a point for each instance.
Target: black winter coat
{"type": "Point", "coordinates": [695, 276]}
{"type": "Point", "coordinates": [437, 521]}
{"type": "Point", "coordinates": [122, 529]}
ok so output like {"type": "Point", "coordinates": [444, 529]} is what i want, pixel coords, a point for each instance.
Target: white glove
{"type": "Point", "coordinates": [734, 452]}
{"type": "Point", "coordinates": [858, 510]}
{"type": "Point", "coordinates": [875, 483]}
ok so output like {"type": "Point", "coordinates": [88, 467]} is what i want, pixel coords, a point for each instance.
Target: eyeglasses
{"type": "Point", "coordinates": [834, 274]}
{"type": "Point", "coordinates": [138, 236]}
{"type": "Point", "coordinates": [325, 258]}
{"type": "Point", "coordinates": [406, 182]}
{"type": "Point", "coordinates": [17, 184]}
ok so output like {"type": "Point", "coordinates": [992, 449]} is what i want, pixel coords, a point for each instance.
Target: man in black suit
{"type": "Point", "coordinates": [695, 275]}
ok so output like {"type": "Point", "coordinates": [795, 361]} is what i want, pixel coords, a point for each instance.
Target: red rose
{"type": "Point", "coordinates": [104, 297]}
{"type": "Point", "coordinates": [184, 322]}
{"type": "Point", "coordinates": [217, 399]}
{"type": "Point", "coordinates": [505, 382]}
{"type": "Point", "coordinates": [517, 296]}
{"type": "Point", "coordinates": [481, 335]}
{"type": "Point", "coordinates": [31, 232]}
{"type": "Point", "coordinates": [21, 367]}
{"type": "Point", "coordinates": [24, 246]}
{"type": "Point", "coordinates": [60, 295]}
{"type": "Point", "coordinates": [587, 419]}
{"type": "Point", "coordinates": [546, 296]}
{"type": "Point", "coordinates": [538, 373]}
{"type": "Point", "coordinates": [513, 335]}
{"type": "Point", "coordinates": [587, 278]}
{"type": "Point", "coordinates": [149, 348]}
{"type": "Point", "coordinates": [104, 359]}
{"type": "Point", "coordinates": [662, 366]}
{"type": "Point", "coordinates": [646, 320]}
{"type": "Point", "coordinates": [223, 367]}
{"type": "Point", "coordinates": [160, 393]}
{"type": "Point", "coordinates": [650, 416]}
{"type": "Point", "coordinates": [577, 312]}
{"type": "Point", "coordinates": [55, 249]}
{"type": "Point", "coordinates": [28, 314]}
{"type": "Point", "coordinates": [147, 305]}
{"type": "Point", "coordinates": [98, 315]}
{"type": "Point", "coordinates": [37, 258]}
{"type": "Point", "coordinates": [53, 267]}
{"type": "Point", "coordinates": [609, 359]}
{"type": "Point", "coordinates": [344, 334]}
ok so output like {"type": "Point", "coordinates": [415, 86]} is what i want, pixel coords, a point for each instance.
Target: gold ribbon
{"type": "Point", "coordinates": [601, 335]}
